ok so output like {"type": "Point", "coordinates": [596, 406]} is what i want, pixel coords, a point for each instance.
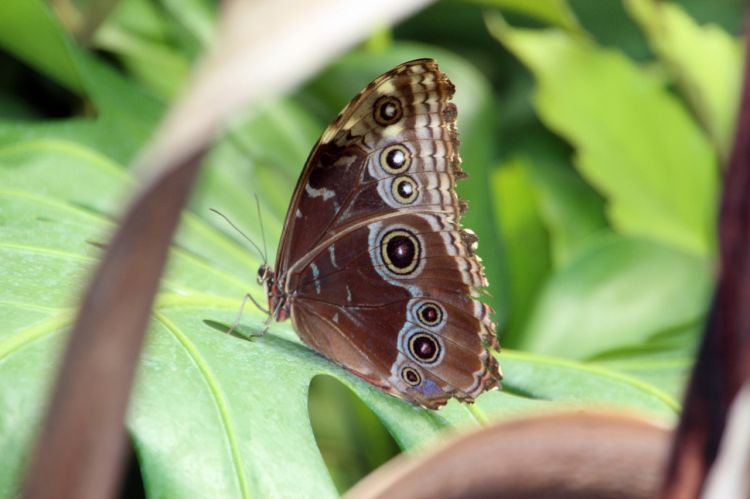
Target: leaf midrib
{"type": "Point", "coordinates": [218, 396]}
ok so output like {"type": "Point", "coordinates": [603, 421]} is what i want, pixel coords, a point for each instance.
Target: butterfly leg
{"type": "Point", "coordinates": [236, 322]}
{"type": "Point", "coordinates": [266, 325]}
{"type": "Point", "coordinates": [268, 320]}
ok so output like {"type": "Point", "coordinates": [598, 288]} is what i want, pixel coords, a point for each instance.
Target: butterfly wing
{"type": "Point", "coordinates": [379, 275]}
{"type": "Point", "coordinates": [342, 181]}
{"type": "Point", "coordinates": [393, 304]}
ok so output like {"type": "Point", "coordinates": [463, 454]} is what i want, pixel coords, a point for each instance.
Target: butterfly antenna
{"type": "Point", "coordinates": [262, 231]}
{"type": "Point", "coordinates": [262, 255]}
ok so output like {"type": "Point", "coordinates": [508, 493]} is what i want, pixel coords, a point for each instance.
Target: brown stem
{"type": "Point", "coordinates": [723, 362]}
{"type": "Point", "coordinates": [80, 449]}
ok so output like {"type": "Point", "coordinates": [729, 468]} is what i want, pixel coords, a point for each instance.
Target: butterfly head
{"type": "Point", "coordinates": [264, 274]}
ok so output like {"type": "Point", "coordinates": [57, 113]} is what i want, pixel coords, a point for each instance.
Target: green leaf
{"type": "Point", "coordinates": [158, 42]}
{"type": "Point", "coordinates": [576, 384]}
{"type": "Point", "coordinates": [634, 141]}
{"type": "Point", "coordinates": [126, 116]}
{"type": "Point", "coordinates": [139, 34]}
{"type": "Point", "coordinates": [618, 293]}
{"type": "Point", "coordinates": [572, 212]}
{"type": "Point", "coordinates": [525, 241]}
{"type": "Point", "coordinates": [664, 361]}
{"type": "Point", "coordinates": [196, 17]}
{"type": "Point", "coordinates": [705, 61]}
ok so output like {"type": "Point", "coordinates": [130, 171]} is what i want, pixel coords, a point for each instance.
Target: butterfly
{"type": "Point", "coordinates": [373, 267]}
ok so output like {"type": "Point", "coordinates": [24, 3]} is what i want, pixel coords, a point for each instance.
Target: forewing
{"type": "Point", "coordinates": [365, 165]}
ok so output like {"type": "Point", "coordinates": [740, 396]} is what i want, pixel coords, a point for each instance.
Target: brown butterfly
{"type": "Point", "coordinates": [373, 267]}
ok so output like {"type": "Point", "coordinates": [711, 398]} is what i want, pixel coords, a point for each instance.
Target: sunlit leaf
{"type": "Point", "coordinates": [634, 141]}
{"type": "Point", "coordinates": [201, 395]}
{"type": "Point", "coordinates": [705, 61]}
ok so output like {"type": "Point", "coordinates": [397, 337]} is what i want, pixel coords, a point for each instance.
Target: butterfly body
{"type": "Point", "coordinates": [374, 269]}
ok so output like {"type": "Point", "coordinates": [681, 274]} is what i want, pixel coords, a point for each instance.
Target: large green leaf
{"type": "Point", "coordinates": [237, 407]}
{"type": "Point", "coordinates": [634, 141]}
{"type": "Point", "coordinates": [574, 383]}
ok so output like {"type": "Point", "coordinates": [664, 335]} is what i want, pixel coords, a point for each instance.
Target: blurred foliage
{"type": "Point", "coordinates": [594, 133]}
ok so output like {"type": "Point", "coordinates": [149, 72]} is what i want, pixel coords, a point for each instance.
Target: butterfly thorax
{"type": "Point", "coordinates": [278, 304]}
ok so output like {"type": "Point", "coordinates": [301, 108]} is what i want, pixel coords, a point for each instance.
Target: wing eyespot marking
{"type": "Point", "coordinates": [387, 110]}
{"type": "Point", "coordinates": [411, 376]}
{"type": "Point", "coordinates": [395, 159]}
{"type": "Point", "coordinates": [400, 251]}
{"type": "Point", "coordinates": [424, 348]}
{"type": "Point", "coordinates": [404, 189]}
{"type": "Point", "coordinates": [430, 314]}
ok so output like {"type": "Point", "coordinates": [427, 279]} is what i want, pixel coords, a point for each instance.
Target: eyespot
{"type": "Point", "coordinates": [430, 314]}
{"type": "Point", "coordinates": [395, 159]}
{"type": "Point", "coordinates": [424, 347]}
{"type": "Point", "coordinates": [387, 110]}
{"type": "Point", "coordinates": [404, 189]}
{"type": "Point", "coordinates": [400, 251]}
{"type": "Point", "coordinates": [411, 376]}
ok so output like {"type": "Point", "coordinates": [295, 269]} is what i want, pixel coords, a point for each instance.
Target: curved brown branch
{"type": "Point", "coordinates": [565, 455]}
{"type": "Point", "coordinates": [723, 362]}
{"type": "Point", "coordinates": [82, 441]}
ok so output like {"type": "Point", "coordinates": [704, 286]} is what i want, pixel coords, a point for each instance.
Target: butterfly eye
{"type": "Point", "coordinates": [400, 251]}
{"type": "Point", "coordinates": [430, 314]}
{"type": "Point", "coordinates": [411, 376]}
{"type": "Point", "coordinates": [404, 189]}
{"type": "Point", "coordinates": [387, 110]}
{"type": "Point", "coordinates": [395, 159]}
{"type": "Point", "coordinates": [262, 273]}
